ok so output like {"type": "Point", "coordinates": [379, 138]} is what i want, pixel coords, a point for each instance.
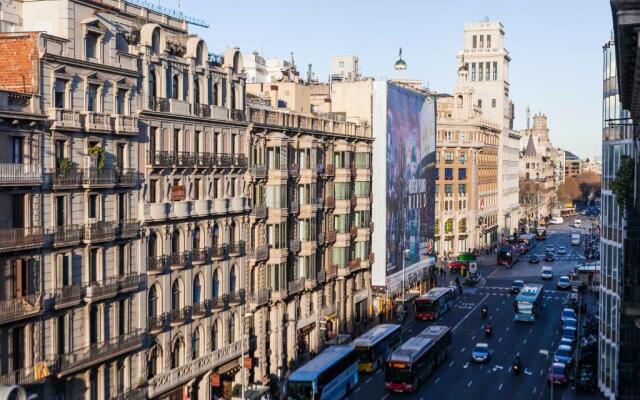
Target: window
{"type": "Point", "coordinates": [232, 279]}
{"type": "Point", "coordinates": [342, 190]}
{"type": "Point", "coordinates": [153, 187]}
{"type": "Point", "coordinates": [93, 324]}
{"type": "Point", "coordinates": [448, 189]}
{"type": "Point", "coordinates": [462, 173]}
{"type": "Point", "coordinates": [475, 41]}
{"type": "Point", "coordinates": [462, 158]}
{"type": "Point", "coordinates": [462, 188]}
{"type": "Point", "coordinates": [362, 189]}
{"type": "Point", "coordinates": [473, 71]}
{"type": "Point", "coordinates": [122, 259]}
{"type": "Point", "coordinates": [196, 188]}
{"type": "Point", "coordinates": [277, 276]}
{"type": "Point", "coordinates": [175, 87]}
{"type": "Point", "coordinates": [152, 302]}
{"type": "Point", "coordinates": [342, 223]}
{"type": "Point", "coordinates": [495, 70]}
{"type": "Point", "coordinates": [92, 98]}
{"type": "Point", "coordinates": [486, 71]}
{"type": "Point", "coordinates": [60, 93]}
{"type": "Point", "coordinates": [480, 70]}
{"type": "Point", "coordinates": [481, 41]}
{"type": "Point", "coordinates": [340, 256]}
{"type": "Point", "coordinates": [121, 102]}
{"type": "Point", "coordinates": [215, 284]}
{"type": "Point", "coordinates": [91, 46]}
{"type": "Point", "coordinates": [448, 174]}
{"type": "Point", "coordinates": [18, 144]}
{"type": "Point", "coordinates": [93, 265]}
{"type": "Point", "coordinates": [363, 160]}
{"type": "Point", "coordinates": [61, 215]}
{"type": "Point", "coordinates": [93, 206]}
{"type": "Point", "coordinates": [488, 41]}
{"type": "Point", "coordinates": [479, 103]}
{"type": "Point", "coordinates": [493, 103]}
{"type": "Point", "coordinates": [195, 345]}
{"type": "Point", "coordinates": [176, 294]}
{"type": "Point", "coordinates": [176, 354]}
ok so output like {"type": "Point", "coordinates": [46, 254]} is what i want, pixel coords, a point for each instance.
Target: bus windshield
{"type": "Point", "coordinates": [365, 354]}
{"type": "Point", "coordinates": [299, 390]}
{"type": "Point", "coordinates": [425, 306]}
{"type": "Point", "coordinates": [398, 375]}
{"type": "Point", "coordinates": [525, 307]}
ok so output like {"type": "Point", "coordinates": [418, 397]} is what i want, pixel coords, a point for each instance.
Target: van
{"type": "Point", "coordinates": [556, 220]}
{"type": "Point", "coordinates": [577, 223]}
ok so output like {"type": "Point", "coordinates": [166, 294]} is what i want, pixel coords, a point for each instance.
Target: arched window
{"type": "Point", "coordinates": [155, 41]}
{"type": "Point", "coordinates": [195, 239]}
{"type": "Point", "coordinates": [448, 226]}
{"type": "Point", "coordinates": [215, 331]}
{"type": "Point", "coordinates": [436, 227]}
{"type": "Point", "coordinates": [152, 246]}
{"type": "Point", "coordinates": [175, 87]}
{"type": "Point", "coordinates": [462, 225]}
{"type": "Point", "coordinates": [153, 362]}
{"type": "Point", "coordinates": [175, 242]}
{"type": "Point", "coordinates": [216, 235]}
{"type": "Point", "coordinates": [177, 353]}
{"type": "Point", "coordinates": [196, 90]}
{"type": "Point", "coordinates": [152, 302]}
{"type": "Point", "coordinates": [199, 51]}
{"type": "Point", "coordinates": [153, 85]}
{"type": "Point", "coordinates": [215, 284]}
{"type": "Point", "coordinates": [197, 288]}
{"type": "Point", "coordinates": [233, 96]}
{"type": "Point", "coordinates": [176, 294]}
{"type": "Point", "coordinates": [195, 344]}
{"type": "Point", "coordinates": [232, 328]}
{"type": "Point", "coordinates": [233, 231]}
{"type": "Point", "coordinates": [232, 279]}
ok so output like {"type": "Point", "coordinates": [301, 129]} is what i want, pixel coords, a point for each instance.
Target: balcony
{"type": "Point", "coordinates": [26, 376]}
{"type": "Point", "coordinates": [201, 309]}
{"type": "Point", "coordinates": [310, 283]}
{"type": "Point", "coordinates": [220, 206]}
{"type": "Point", "coordinates": [238, 115]}
{"type": "Point", "coordinates": [21, 238]}
{"type": "Point", "coordinates": [237, 297]}
{"type": "Point", "coordinates": [67, 235]}
{"type": "Point", "coordinates": [201, 110]}
{"type": "Point", "coordinates": [222, 160]}
{"type": "Point", "coordinates": [296, 286]}
{"type": "Point", "coordinates": [237, 248]}
{"type": "Point", "coordinates": [330, 236]}
{"type": "Point", "coordinates": [219, 303]}
{"type": "Point", "coordinates": [159, 104]}
{"type": "Point", "coordinates": [331, 272]}
{"type": "Point", "coordinates": [131, 282]}
{"type": "Point", "coordinates": [181, 209]}
{"type": "Point", "coordinates": [20, 174]}
{"type": "Point", "coordinates": [100, 231]}
{"type": "Point", "coordinates": [237, 204]}
{"type": "Point", "coordinates": [202, 207]}
{"type": "Point", "coordinates": [70, 178]}
{"type": "Point", "coordinates": [131, 394]}
{"type": "Point", "coordinates": [156, 265]}
{"type": "Point", "coordinates": [68, 296]}
{"type": "Point", "coordinates": [18, 308]}
{"type": "Point", "coordinates": [158, 323]}
{"type": "Point", "coordinates": [219, 252]}
{"type": "Point", "coordinates": [98, 177]}
{"type": "Point", "coordinates": [160, 159]}
{"type": "Point", "coordinates": [258, 171]}
{"type": "Point", "coordinates": [204, 159]}
{"type": "Point", "coordinates": [96, 122]}
{"type": "Point", "coordinates": [176, 377]}
{"type": "Point", "coordinates": [129, 228]}
{"type": "Point", "coordinates": [99, 290]}
{"type": "Point", "coordinates": [200, 256]}
{"type": "Point", "coordinates": [260, 298]}
{"type": "Point", "coordinates": [259, 211]}
{"type": "Point", "coordinates": [294, 246]}
{"type": "Point", "coordinates": [258, 253]}
{"type": "Point", "coordinates": [180, 315]}
{"type": "Point", "coordinates": [294, 171]}
{"type": "Point", "coordinates": [64, 119]}
{"type": "Point", "coordinates": [329, 170]}
{"type": "Point", "coordinates": [180, 260]}
{"type": "Point", "coordinates": [330, 202]}
{"type": "Point", "coordinates": [239, 161]}
{"type": "Point", "coordinates": [354, 264]}
{"type": "Point", "coordinates": [126, 125]}
{"type": "Point", "coordinates": [127, 177]}
{"type": "Point", "coordinates": [97, 353]}
{"type": "Point", "coordinates": [185, 159]}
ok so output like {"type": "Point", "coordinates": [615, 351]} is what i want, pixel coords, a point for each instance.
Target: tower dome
{"type": "Point", "coordinates": [400, 65]}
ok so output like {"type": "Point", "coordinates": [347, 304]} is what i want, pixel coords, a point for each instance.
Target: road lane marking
{"type": "Point", "coordinates": [437, 380]}
{"type": "Point", "coordinates": [503, 301]}
{"type": "Point", "coordinates": [500, 387]}
{"type": "Point", "coordinates": [499, 340]}
{"type": "Point", "coordinates": [385, 397]}
{"type": "Point", "coordinates": [465, 366]}
{"type": "Point", "coordinates": [535, 389]}
{"type": "Point", "coordinates": [508, 329]}
{"type": "Point", "coordinates": [473, 337]}
{"type": "Point", "coordinates": [358, 389]}
{"type": "Point", "coordinates": [368, 380]}
{"type": "Point", "coordinates": [541, 372]}
{"type": "Point", "coordinates": [469, 384]}
{"type": "Point", "coordinates": [525, 341]}
{"type": "Point", "coordinates": [530, 330]}
{"type": "Point", "coordinates": [451, 363]}
{"type": "Point", "coordinates": [469, 313]}
{"type": "Point", "coordinates": [379, 372]}
{"type": "Point", "coordinates": [497, 308]}
{"type": "Point", "coordinates": [463, 349]}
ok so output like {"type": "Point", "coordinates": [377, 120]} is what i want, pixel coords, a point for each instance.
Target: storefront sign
{"type": "Point", "coordinates": [305, 330]}
{"type": "Point", "coordinates": [215, 380]}
{"type": "Point", "coordinates": [248, 362]}
{"type": "Point", "coordinates": [41, 371]}
{"type": "Point", "coordinates": [311, 319]}
{"type": "Point", "coordinates": [361, 295]}
{"type": "Point", "coordinates": [178, 193]}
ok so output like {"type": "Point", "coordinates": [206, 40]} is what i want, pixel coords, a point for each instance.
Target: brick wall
{"type": "Point", "coordinates": [19, 62]}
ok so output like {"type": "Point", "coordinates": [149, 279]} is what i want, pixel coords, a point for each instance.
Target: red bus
{"type": "Point", "coordinates": [417, 359]}
{"type": "Point", "coordinates": [436, 302]}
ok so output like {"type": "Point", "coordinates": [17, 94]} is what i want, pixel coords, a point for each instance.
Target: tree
{"type": "Point", "coordinates": [569, 191]}
{"type": "Point", "coordinates": [589, 184]}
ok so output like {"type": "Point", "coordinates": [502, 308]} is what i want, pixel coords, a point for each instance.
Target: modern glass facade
{"type": "Point", "coordinates": [616, 142]}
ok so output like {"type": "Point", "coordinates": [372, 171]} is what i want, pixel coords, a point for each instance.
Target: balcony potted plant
{"type": "Point", "coordinates": [98, 153]}
{"type": "Point", "coordinates": [64, 166]}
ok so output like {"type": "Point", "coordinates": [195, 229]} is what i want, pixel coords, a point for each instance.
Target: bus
{"type": "Point", "coordinates": [434, 303]}
{"type": "Point", "coordinates": [508, 255]}
{"type": "Point", "coordinates": [417, 359]}
{"type": "Point", "coordinates": [330, 375]}
{"type": "Point", "coordinates": [375, 345]}
{"type": "Point", "coordinates": [528, 303]}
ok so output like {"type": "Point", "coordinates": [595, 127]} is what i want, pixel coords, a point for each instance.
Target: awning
{"type": "Point", "coordinates": [230, 368]}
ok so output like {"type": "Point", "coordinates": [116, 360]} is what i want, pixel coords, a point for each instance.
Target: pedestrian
{"type": "Point", "coordinates": [380, 317]}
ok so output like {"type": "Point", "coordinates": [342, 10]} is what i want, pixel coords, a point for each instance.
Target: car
{"type": "Point", "coordinates": [564, 283]}
{"type": "Point", "coordinates": [457, 265]}
{"type": "Point", "coordinates": [472, 279]}
{"type": "Point", "coordinates": [558, 374]}
{"type": "Point", "coordinates": [566, 342]}
{"type": "Point", "coordinates": [550, 248]}
{"type": "Point", "coordinates": [570, 323]}
{"type": "Point", "coordinates": [568, 313]}
{"type": "Point", "coordinates": [481, 353]}
{"type": "Point", "coordinates": [516, 286]}
{"type": "Point", "coordinates": [562, 250]}
{"type": "Point", "coordinates": [569, 332]}
{"type": "Point", "coordinates": [547, 272]}
{"type": "Point", "coordinates": [534, 259]}
{"type": "Point", "coordinates": [564, 354]}
{"type": "Point", "coordinates": [556, 221]}
{"type": "Point", "coordinates": [549, 256]}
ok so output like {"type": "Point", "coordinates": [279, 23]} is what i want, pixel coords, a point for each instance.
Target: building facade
{"type": "Point", "coordinates": [467, 178]}
{"type": "Point", "coordinates": [572, 164]}
{"type": "Point", "coordinates": [619, 336]}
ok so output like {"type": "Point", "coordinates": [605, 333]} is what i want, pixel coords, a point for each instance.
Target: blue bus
{"type": "Point", "coordinates": [528, 303]}
{"type": "Point", "coordinates": [330, 375]}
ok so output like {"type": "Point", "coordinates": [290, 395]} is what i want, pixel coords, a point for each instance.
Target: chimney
{"type": "Point", "coordinates": [273, 96]}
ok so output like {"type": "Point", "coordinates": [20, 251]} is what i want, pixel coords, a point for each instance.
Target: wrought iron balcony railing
{"type": "Point", "coordinates": [21, 238]}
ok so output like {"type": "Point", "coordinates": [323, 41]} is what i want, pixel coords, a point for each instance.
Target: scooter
{"type": "Point", "coordinates": [488, 331]}
{"type": "Point", "coordinates": [516, 368]}
{"type": "Point", "coordinates": [485, 312]}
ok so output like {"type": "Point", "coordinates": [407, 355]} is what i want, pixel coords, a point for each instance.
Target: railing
{"type": "Point", "coordinates": [130, 227]}
{"type": "Point", "coordinates": [98, 176]}
{"type": "Point", "coordinates": [201, 110]}
{"type": "Point", "coordinates": [158, 322]}
{"type": "Point", "coordinates": [180, 260]}
{"type": "Point", "coordinates": [354, 264]}
{"type": "Point", "coordinates": [202, 308]}
{"type": "Point", "coordinates": [126, 124]}
{"type": "Point", "coordinates": [185, 159]}
{"type": "Point", "coordinates": [20, 174]}
{"type": "Point", "coordinates": [239, 160]}
{"type": "Point", "coordinates": [200, 255]}
{"type": "Point", "coordinates": [101, 289]}
{"type": "Point", "coordinates": [237, 248]}
{"type": "Point", "coordinates": [160, 158]}
{"type": "Point", "coordinates": [130, 281]}
{"type": "Point", "coordinates": [71, 177]}
{"type": "Point", "coordinates": [102, 230]}
{"type": "Point", "coordinates": [131, 394]}
{"type": "Point", "coordinates": [296, 285]}
{"type": "Point", "coordinates": [259, 252]}
{"type": "Point", "coordinates": [68, 295]}
{"type": "Point", "coordinates": [67, 234]}
{"type": "Point", "coordinates": [332, 271]}
{"type": "Point", "coordinates": [25, 376]}
{"type": "Point", "coordinates": [259, 211]}
{"type": "Point", "coordinates": [219, 251]}
{"type": "Point", "coordinates": [258, 171]}
{"type": "Point", "coordinates": [159, 104]}
{"type": "Point", "coordinates": [204, 159]}
{"type": "Point", "coordinates": [222, 160]}
{"type": "Point", "coordinates": [180, 315]}
{"type": "Point", "coordinates": [20, 307]}
{"type": "Point", "coordinates": [238, 115]}
{"type": "Point", "coordinates": [17, 238]}
{"type": "Point", "coordinates": [237, 297]}
{"type": "Point", "coordinates": [219, 302]}
{"type": "Point", "coordinates": [156, 264]}
{"type": "Point", "coordinates": [330, 236]}
{"type": "Point", "coordinates": [294, 245]}
{"type": "Point", "coordinates": [99, 352]}
{"type": "Point", "coordinates": [260, 298]}
{"type": "Point", "coordinates": [126, 176]}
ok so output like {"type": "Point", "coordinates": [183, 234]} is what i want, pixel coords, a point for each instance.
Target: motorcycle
{"type": "Point", "coordinates": [516, 368]}
{"type": "Point", "coordinates": [488, 331]}
{"type": "Point", "coordinates": [485, 312]}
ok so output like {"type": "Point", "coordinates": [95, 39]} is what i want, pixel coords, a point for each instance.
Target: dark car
{"type": "Point", "coordinates": [472, 279]}
{"type": "Point", "coordinates": [586, 380]}
{"type": "Point", "coordinates": [549, 256]}
{"type": "Point", "coordinates": [558, 374]}
{"type": "Point", "coordinates": [516, 286]}
{"type": "Point", "coordinates": [533, 259]}
{"type": "Point", "coordinates": [457, 265]}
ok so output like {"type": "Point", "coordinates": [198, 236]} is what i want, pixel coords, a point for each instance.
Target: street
{"type": "Point", "coordinates": [458, 377]}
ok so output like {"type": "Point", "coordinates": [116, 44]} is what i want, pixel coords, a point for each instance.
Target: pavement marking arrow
{"type": "Point", "coordinates": [527, 372]}
{"type": "Point", "coordinates": [465, 366]}
{"type": "Point", "coordinates": [451, 363]}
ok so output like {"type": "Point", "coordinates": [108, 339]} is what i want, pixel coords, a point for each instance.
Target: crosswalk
{"type": "Point", "coordinates": [549, 294]}
{"type": "Point", "coordinates": [562, 257]}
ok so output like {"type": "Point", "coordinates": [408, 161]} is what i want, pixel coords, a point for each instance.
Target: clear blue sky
{"type": "Point", "coordinates": [555, 46]}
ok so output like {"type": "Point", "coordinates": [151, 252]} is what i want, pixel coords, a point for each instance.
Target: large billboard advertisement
{"type": "Point", "coordinates": [410, 177]}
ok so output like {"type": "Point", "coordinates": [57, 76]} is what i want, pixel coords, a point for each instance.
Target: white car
{"type": "Point", "coordinates": [562, 250]}
{"type": "Point", "coordinates": [547, 272]}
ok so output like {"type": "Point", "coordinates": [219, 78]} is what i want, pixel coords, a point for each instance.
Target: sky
{"type": "Point", "coordinates": [555, 47]}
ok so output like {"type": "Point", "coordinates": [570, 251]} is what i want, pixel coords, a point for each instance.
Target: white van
{"type": "Point", "coordinates": [556, 220]}
{"type": "Point", "coordinates": [577, 223]}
